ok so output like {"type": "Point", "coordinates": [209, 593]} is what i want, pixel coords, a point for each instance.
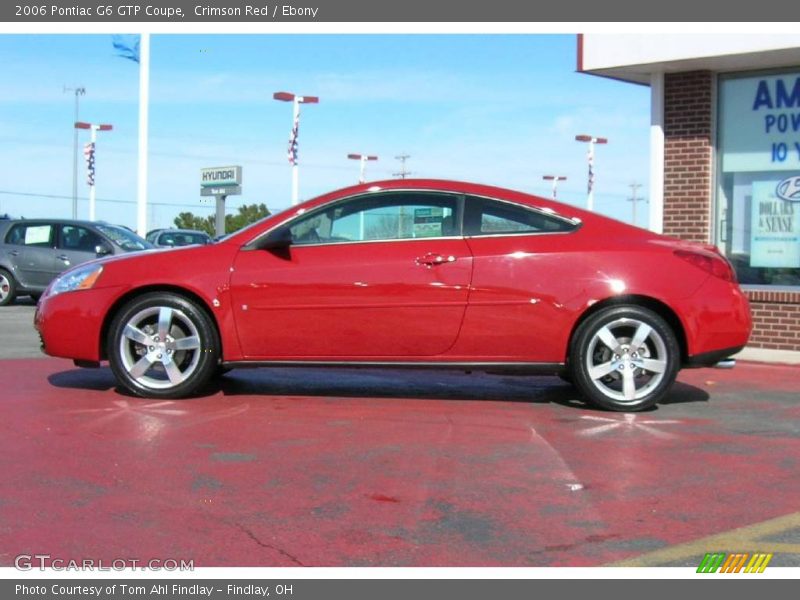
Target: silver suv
{"type": "Point", "coordinates": [34, 251]}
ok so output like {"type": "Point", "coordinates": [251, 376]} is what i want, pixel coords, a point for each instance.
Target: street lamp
{"type": "Point", "coordinates": [89, 151]}
{"type": "Point", "coordinates": [292, 153]}
{"type": "Point", "coordinates": [591, 140]}
{"type": "Point", "coordinates": [555, 179]}
{"type": "Point", "coordinates": [363, 158]}
{"type": "Point", "coordinates": [79, 91]}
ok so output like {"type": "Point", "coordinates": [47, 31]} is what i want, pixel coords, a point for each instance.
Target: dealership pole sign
{"type": "Point", "coordinates": [220, 182]}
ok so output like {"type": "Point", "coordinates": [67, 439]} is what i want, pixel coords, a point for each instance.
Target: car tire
{"type": "Point", "coordinates": [8, 288]}
{"type": "Point", "coordinates": [163, 345]}
{"type": "Point", "coordinates": [624, 358]}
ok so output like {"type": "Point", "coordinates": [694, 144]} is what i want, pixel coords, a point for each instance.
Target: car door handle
{"type": "Point", "coordinates": [14, 252]}
{"type": "Point", "coordinates": [63, 257]}
{"type": "Point", "coordinates": [432, 259]}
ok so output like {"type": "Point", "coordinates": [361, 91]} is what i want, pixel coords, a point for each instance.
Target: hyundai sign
{"type": "Point", "coordinates": [221, 177]}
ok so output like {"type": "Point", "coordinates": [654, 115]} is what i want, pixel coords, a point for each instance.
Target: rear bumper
{"type": "Point", "coordinates": [710, 359]}
{"type": "Point", "coordinates": [717, 322]}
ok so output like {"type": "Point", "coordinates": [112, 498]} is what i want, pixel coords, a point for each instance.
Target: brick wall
{"type": "Point", "coordinates": [687, 155]}
{"type": "Point", "coordinates": [688, 198]}
{"type": "Point", "coordinates": [776, 316]}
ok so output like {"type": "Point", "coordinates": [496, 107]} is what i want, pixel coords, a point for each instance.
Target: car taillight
{"type": "Point", "coordinates": [716, 265]}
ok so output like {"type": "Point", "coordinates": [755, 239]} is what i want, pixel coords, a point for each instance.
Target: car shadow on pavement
{"type": "Point", "coordinates": [376, 383]}
{"type": "Point", "coordinates": [683, 393]}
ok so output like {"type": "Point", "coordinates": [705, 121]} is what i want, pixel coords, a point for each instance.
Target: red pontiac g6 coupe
{"type": "Point", "coordinates": [409, 273]}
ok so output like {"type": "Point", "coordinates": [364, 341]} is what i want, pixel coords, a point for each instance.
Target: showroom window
{"type": "Point", "coordinates": [758, 176]}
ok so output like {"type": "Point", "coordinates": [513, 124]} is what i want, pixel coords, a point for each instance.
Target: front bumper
{"type": "Point", "coordinates": [70, 324]}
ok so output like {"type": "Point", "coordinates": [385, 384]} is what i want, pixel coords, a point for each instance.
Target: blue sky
{"type": "Point", "coordinates": [498, 109]}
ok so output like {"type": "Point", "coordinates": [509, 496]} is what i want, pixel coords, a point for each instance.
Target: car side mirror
{"type": "Point", "coordinates": [280, 239]}
{"type": "Point", "coordinates": [102, 249]}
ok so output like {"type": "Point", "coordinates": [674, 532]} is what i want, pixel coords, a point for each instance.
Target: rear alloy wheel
{"type": "Point", "coordinates": [624, 358]}
{"type": "Point", "coordinates": [8, 288]}
{"type": "Point", "coordinates": [162, 345]}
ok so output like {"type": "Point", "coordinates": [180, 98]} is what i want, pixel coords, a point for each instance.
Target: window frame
{"type": "Point", "coordinates": [718, 175]}
{"type": "Point", "coordinates": [461, 199]}
{"type": "Point", "coordinates": [51, 240]}
{"type": "Point", "coordinates": [574, 223]}
{"type": "Point", "coordinates": [458, 197]}
{"type": "Point", "coordinates": [60, 237]}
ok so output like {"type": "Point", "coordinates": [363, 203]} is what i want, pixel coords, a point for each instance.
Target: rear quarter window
{"type": "Point", "coordinates": [484, 216]}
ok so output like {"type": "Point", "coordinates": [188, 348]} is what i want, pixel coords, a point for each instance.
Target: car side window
{"type": "Point", "coordinates": [32, 235]}
{"type": "Point", "coordinates": [491, 217]}
{"type": "Point", "coordinates": [380, 217]}
{"type": "Point", "coordinates": [79, 239]}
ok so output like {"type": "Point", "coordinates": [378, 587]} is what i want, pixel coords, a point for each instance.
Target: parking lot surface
{"type": "Point", "coordinates": [18, 338]}
{"type": "Point", "coordinates": [285, 467]}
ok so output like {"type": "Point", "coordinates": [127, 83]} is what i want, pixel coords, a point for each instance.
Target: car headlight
{"type": "Point", "coordinates": [82, 278]}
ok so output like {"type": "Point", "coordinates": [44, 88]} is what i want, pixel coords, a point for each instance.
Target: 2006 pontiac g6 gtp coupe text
{"type": "Point", "coordinates": [409, 273]}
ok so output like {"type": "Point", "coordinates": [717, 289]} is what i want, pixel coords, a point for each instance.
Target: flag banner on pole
{"type": "Point", "coordinates": [591, 171]}
{"type": "Point", "coordinates": [88, 154]}
{"type": "Point", "coordinates": [292, 154]}
{"type": "Point", "coordinates": [127, 46]}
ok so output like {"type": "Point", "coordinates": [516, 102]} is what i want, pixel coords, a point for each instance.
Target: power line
{"type": "Point", "coordinates": [110, 200]}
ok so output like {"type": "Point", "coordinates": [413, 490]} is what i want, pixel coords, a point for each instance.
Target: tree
{"type": "Point", "coordinates": [187, 220]}
{"type": "Point", "coordinates": [245, 215]}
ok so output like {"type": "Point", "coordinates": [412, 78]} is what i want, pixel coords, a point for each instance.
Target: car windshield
{"type": "Point", "coordinates": [127, 240]}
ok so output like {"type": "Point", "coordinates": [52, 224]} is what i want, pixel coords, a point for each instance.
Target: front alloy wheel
{"type": "Point", "coordinates": [163, 346]}
{"type": "Point", "coordinates": [624, 358]}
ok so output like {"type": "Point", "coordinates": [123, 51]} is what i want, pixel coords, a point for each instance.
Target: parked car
{"type": "Point", "coordinates": [34, 251]}
{"type": "Point", "coordinates": [409, 273]}
{"type": "Point", "coordinates": [173, 238]}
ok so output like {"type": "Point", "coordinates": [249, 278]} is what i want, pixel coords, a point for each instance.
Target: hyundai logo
{"type": "Point", "coordinates": [789, 189]}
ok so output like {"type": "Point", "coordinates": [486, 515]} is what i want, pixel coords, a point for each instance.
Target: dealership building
{"type": "Point", "coordinates": [724, 157]}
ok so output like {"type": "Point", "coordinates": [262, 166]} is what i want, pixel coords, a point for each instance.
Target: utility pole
{"type": "Point", "coordinates": [634, 200]}
{"type": "Point", "coordinates": [292, 153]}
{"type": "Point", "coordinates": [79, 91]}
{"type": "Point", "coordinates": [555, 179]}
{"type": "Point", "coordinates": [403, 173]}
{"type": "Point", "coordinates": [591, 140]}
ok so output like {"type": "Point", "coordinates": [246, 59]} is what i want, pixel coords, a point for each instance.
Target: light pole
{"type": "Point", "coordinates": [363, 158]}
{"type": "Point", "coordinates": [89, 152]}
{"type": "Point", "coordinates": [292, 154]}
{"type": "Point", "coordinates": [79, 91]}
{"type": "Point", "coordinates": [592, 140]}
{"type": "Point", "coordinates": [555, 179]}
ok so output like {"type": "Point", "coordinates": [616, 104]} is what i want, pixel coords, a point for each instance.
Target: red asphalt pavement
{"type": "Point", "coordinates": [282, 467]}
